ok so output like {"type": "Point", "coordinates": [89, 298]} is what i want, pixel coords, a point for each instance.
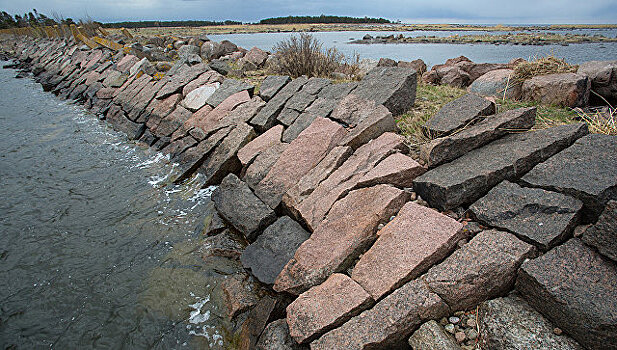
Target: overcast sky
{"type": "Point", "coordinates": [432, 11]}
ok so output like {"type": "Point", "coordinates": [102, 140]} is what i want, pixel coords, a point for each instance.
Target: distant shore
{"type": "Point", "coordinates": [395, 27]}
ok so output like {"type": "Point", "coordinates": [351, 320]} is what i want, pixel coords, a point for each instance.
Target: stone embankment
{"type": "Point", "coordinates": [366, 248]}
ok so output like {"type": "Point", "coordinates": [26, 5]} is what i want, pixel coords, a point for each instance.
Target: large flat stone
{"type": "Point", "coordinates": [177, 81]}
{"type": "Point", "coordinates": [325, 307]}
{"type": "Point", "coordinates": [236, 203]}
{"type": "Point", "coordinates": [542, 218]}
{"type": "Point", "coordinates": [407, 246]}
{"type": "Point", "coordinates": [445, 149]}
{"type": "Point", "coordinates": [264, 141]}
{"type": "Point", "coordinates": [393, 87]}
{"type": "Point", "coordinates": [348, 231]}
{"type": "Point", "coordinates": [562, 89]}
{"type": "Point", "coordinates": [459, 113]}
{"type": "Point", "coordinates": [159, 109]}
{"type": "Point", "coordinates": [482, 269]}
{"type": "Point", "coordinates": [389, 323]}
{"type": "Point", "coordinates": [306, 151]}
{"type": "Point", "coordinates": [210, 120]}
{"type": "Point", "coordinates": [172, 121]}
{"type": "Point", "coordinates": [313, 209]}
{"type": "Point", "coordinates": [586, 170]}
{"type": "Point", "coordinates": [313, 178]}
{"type": "Point", "coordinates": [397, 169]}
{"type": "Point", "coordinates": [266, 118]}
{"type": "Point", "coordinates": [228, 88]}
{"type": "Point", "coordinates": [471, 176]}
{"type": "Point", "coordinates": [272, 85]}
{"type": "Point", "coordinates": [267, 256]}
{"type": "Point", "coordinates": [121, 122]}
{"type": "Point", "coordinates": [196, 99]}
{"type": "Point", "coordinates": [261, 165]}
{"type": "Point", "coordinates": [192, 158]}
{"type": "Point", "coordinates": [603, 235]}
{"type": "Point", "coordinates": [432, 336]}
{"type": "Point", "coordinates": [574, 287]}
{"type": "Point", "coordinates": [510, 323]}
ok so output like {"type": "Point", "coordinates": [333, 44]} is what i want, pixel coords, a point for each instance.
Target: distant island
{"type": "Point", "coordinates": [323, 19]}
{"type": "Point", "coordinates": [168, 24]}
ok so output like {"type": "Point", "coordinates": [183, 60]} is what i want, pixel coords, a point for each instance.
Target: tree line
{"type": "Point", "coordinates": [31, 19]}
{"type": "Point", "coordinates": [147, 24]}
{"type": "Point", "coordinates": [321, 19]}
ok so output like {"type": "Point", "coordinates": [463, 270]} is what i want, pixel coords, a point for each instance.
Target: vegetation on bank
{"type": "Point", "coordinates": [547, 38]}
{"type": "Point", "coordinates": [167, 24]}
{"type": "Point", "coordinates": [31, 19]}
{"type": "Point", "coordinates": [321, 19]}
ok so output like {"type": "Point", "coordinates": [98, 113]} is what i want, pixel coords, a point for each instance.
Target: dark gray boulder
{"type": "Point", "coordinates": [276, 337]}
{"type": "Point", "coordinates": [271, 85]}
{"type": "Point", "coordinates": [459, 113]}
{"type": "Point", "coordinates": [574, 287]}
{"type": "Point", "coordinates": [603, 235]}
{"type": "Point", "coordinates": [586, 170]}
{"type": "Point", "coordinates": [445, 149]}
{"type": "Point", "coordinates": [236, 203]}
{"type": "Point", "coordinates": [266, 118]}
{"type": "Point", "coordinates": [267, 256]}
{"type": "Point", "coordinates": [536, 216]}
{"type": "Point", "coordinates": [603, 75]}
{"type": "Point", "coordinates": [510, 323]}
{"type": "Point", "coordinates": [471, 176]}
{"type": "Point", "coordinates": [393, 87]}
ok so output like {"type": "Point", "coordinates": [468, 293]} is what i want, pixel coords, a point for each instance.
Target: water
{"type": "Point", "coordinates": [96, 249]}
{"type": "Point", "coordinates": [438, 53]}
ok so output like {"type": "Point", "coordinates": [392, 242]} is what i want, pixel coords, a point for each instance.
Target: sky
{"type": "Point", "coordinates": [407, 11]}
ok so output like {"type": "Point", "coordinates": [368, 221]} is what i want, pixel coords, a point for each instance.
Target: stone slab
{"type": "Point", "coordinates": [445, 149]}
{"type": "Point", "coordinates": [542, 218]}
{"type": "Point", "coordinates": [260, 167]}
{"type": "Point", "coordinates": [266, 118]}
{"type": "Point", "coordinates": [236, 203]}
{"type": "Point", "coordinates": [397, 170]}
{"type": "Point", "coordinates": [471, 176]}
{"type": "Point", "coordinates": [389, 323]}
{"type": "Point", "coordinates": [267, 256]}
{"type": "Point", "coordinates": [459, 113]}
{"type": "Point", "coordinates": [603, 235]}
{"type": "Point", "coordinates": [408, 246]}
{"type": "Point", "coordinates": [510, 323]}
{"type": "Point", "coordinates": [262, 142]}
{"type": "Point", "coordinates": [482, 269]}
{"type": "Point", "coordinates": [325, 307]}
{"type": "Point", "coordinates": [432, 336]}
{"type": "Point", "coordinates": [272, 85]}
{"type": "Point", "coordinates": [393, 87]}
{"type": "Point", "coordinates": [228, 88]}
{"type": "Point", "coordinates": [349, 230]}
{"type": "Point", "coordinates": [574, 287]}
{"type": "Point", "coordinates": [586, 170]}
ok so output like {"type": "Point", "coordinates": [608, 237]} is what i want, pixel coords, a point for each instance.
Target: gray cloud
{"type": "Point", "coordinates": [477, 11]}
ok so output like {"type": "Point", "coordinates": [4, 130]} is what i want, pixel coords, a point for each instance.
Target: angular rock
{"type": "Point", "coordinates": [210, 120]}
{"type": "Point", "coordinates": [177, 81]}
{"type": "Point", "coordinates": [256, 321]}
{"type": "Point", "coordinates": [288, 116]}
{"type": "Point", "coordinates": [365, 120]}
{"type": "Point", "coordinates": [349, 230]}
{"type": "Point", "coordinates": [301, 122]}
{"type": "Point", "coordinates": [392, 87]}
{"type": "Point", "coordinates": [143, 66]}
{"type": "Point", "coordinates": [313, 178]}
{"type": "Point", "coordinates": [482, 269]}
{"type": "Point", "coordinates": [432, 336]}
{"type": "Point", "coordinates": [459, 113]}
{"type": "Point", "coordinates": [228, 88]}
{"type": "Point", "coordinates": [389, 323]}
{"type": "Point", "coordinates": [300, 157]}
{"type": "Point", "coordinates": [220, 66]}
{"type": "Point", "coordinates": [276, 337]}
{"type": "Point", "coordinates": [223, 244]}
{"type": "Point", "coordinates": [603, 235]}
{"type": "Point", "coordinates": [267, 256]}
{"type": "Point", "coordinates": [471, 176]}
{"type": "Point", "coordinates": [120, 122]}
{"type": "Point", "coordinates": [159, 109]}
{"type": "Point", "coordinates": [125, 64]}
{"type": "Point", "coordinates": [186, 50]}
{"type": "Point", "coordinates": [325, 307]}
{"type": "Point", "coordinates": [497, 83]}
{"type": "Point", "coordinates": [542, 218]}
{"type": "Point", "coordinates": [337, 91]}
{"type": "Point", "coordinates": [603, 76]}
{"type": "Point", "coordinates": [239, 294]}
{"type": "Point", "coordinates": [574, 287]}
{"type": "Point", "coordinates": [444, 149]}
{"type": "Point", "coordinates": [197, 98]}
{"type": "Point", "coordinates": [313, 209]}
{"type": "Point", "coordinates": [562, 89]}
{"type": "Point", "coordinates": [115, 79]}
{"type": "Point", "coordinates": [205, 78]}
{"type": "Point", "coordinates": [397, 170]}
{"type": "Point", "coordinates": [264, 141]}
{"type": "Point", "coordinates": [261, 165]}
{"type": "Point", "coordinates": [265, 119]}
{"type": "Point", "coordinates": [510, 323]}
{"type": "Point", "coordinates": [418, 65]}
{"type": "Point", "coordinates": [256, 56]}
{"type": "Point", "coordinates": [586, 170]}
{"type": "Point", "coordinates": [172, 122]}
{"type": "Point", "coordinates": [407, 246]}
{"type": "Point", "coordinates": [272, 85]}
{"type": "Point", "coordinates": [236, 203]}
{"type": "Point", "coordinates": [192, 158]}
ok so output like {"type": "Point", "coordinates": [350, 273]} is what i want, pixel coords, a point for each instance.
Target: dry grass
{"type": "Point", "coordinates": [305, 55]}
{"type": "Point", "coordinates": [541, 66]}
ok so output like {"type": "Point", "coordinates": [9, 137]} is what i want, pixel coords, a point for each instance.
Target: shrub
{"type": "Point", "coordinates": [304, 55]}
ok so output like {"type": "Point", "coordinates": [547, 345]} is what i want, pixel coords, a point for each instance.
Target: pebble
{"type": "Point", "coordinates": [471, 333]}
{"type": "Point", "coordinates": [557, 331]}
{"type": "Point", "coordinates": [449, 328]}
{"type": "Point", "coordinates": [413, 196]}
{"type": "Point", "coordinates": [443, 321]}
{"type": "Point", "coordinates": [460, 337]}
{"type": "Point", "coordinates": [380, 226]}
{"type": "Point", "coordinates": [471, 322]}
{"type": "Point", "coordinates": [461, 243]}
{"type": "Point", "coordinates": [392, 217]}
{"type": "Point", "coordinates": [454, 319]}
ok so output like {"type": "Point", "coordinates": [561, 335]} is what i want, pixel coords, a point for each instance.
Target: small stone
{"type": "Point", "coordinates": [380, 226]}
{"type": "Point", "coordinates": [449, 328]}
{"type": "Point", "coordinates": [557, 331]}
{"type": "Point", "coordinates": [454, 319]}
{"type": "Point", "coordinates": [460, 336]}
{"type": "Point", "coordinates": [471, 322]}
{"type": "Point", "coordinates": [443, 321]}
{"type": "Point", "coordinates": [471, 334]}
{"type": "Point", "coordinates": [392, 218]}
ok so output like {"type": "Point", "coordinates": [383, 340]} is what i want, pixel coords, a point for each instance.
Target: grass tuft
{"type": "Point", "coordinates": [541, 66]}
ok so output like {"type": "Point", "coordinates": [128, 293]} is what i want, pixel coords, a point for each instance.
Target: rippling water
{"type": "Point", "coordinates": [438, 53]}
{"type": "Point", "coordinates": [96, 249]}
